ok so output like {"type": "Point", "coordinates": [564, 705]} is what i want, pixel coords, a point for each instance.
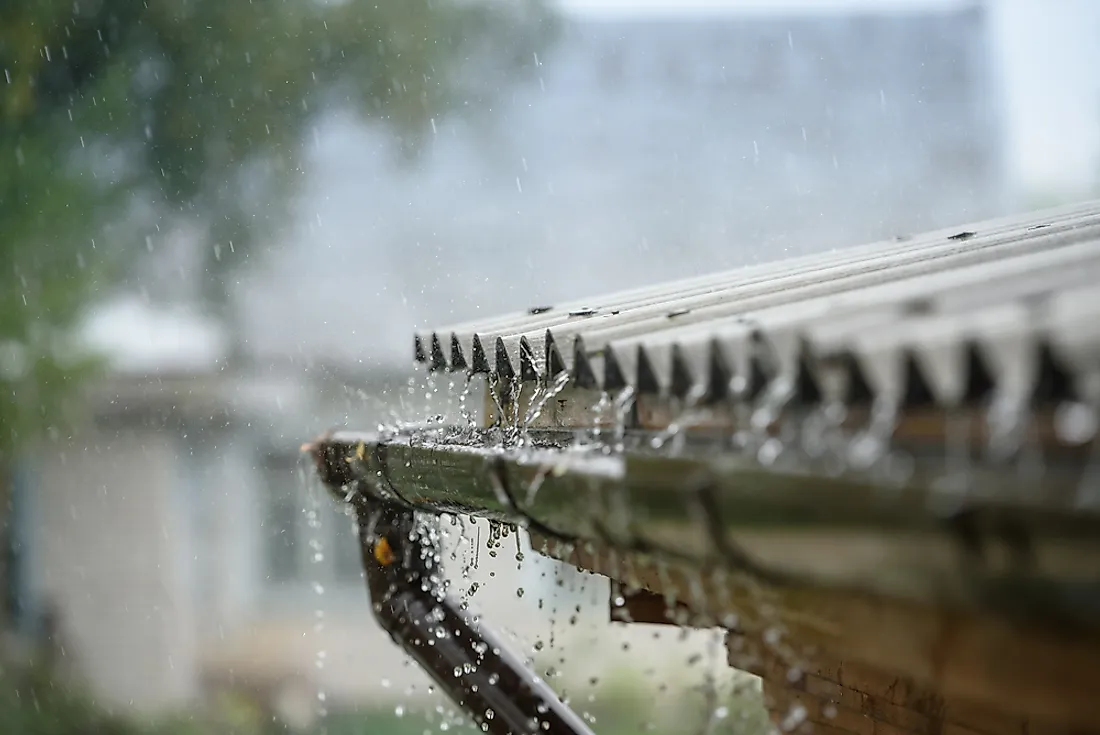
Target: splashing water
{"type": "Point", "coordinates": [764, 417]}
{"type": "Point", "coordinates": [498, 401]}
{"type": "Point", "coordinates": [312, 512]}
{"type": "Point", "coordinates": [463, 410]}
{"type": "Point", "coordinates": [622, 405]}
{"type": "Point", "coordinates": [1006, 420]}
{"type": "Point", "coordinates": [869, 447]}
{"type": "Point", "coordinates": [540, 401]}
{"type": "Point", "coordinates": [515, 401]}
{"type": "Point", "coordinates": [691, 413]}
{"type": "Point", "coordinates": [599, 412]}
{"type": "Point", "coordinates": [548, 394]}
{"type": "Point", "coordinates": [711, 690]}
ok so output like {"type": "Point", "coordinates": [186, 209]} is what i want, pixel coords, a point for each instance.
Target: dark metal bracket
{"type": "Point", "coordinates": [467, 660]}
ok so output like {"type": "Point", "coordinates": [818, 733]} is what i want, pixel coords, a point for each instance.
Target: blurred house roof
{"type": "Point", "coordinates": [170, 364]}
{"type": "Point", "coordinates": [138, 338]}
{"type": "Point", "coordinates": [645, 150]}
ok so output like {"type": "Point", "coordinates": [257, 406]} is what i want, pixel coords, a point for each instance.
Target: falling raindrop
{"type": "Point", "coordinates": [1075, 423]}
{"type": "Point", "coordinates": [794, 717]}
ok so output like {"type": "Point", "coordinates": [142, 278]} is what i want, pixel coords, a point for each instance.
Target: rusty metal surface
{"type": "Point", "coordinates": [1004, 308]}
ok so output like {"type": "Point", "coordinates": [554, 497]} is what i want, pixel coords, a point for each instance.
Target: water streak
{"type": "Point", "coordinates": [869, 448]}
{"type": "Point", "coordinates": [766, 414]}
{"type": "Point", "coordinates": [598, 415]}
{"type": "Point", "coordinates": [498, 401]}
{"type": "Point", "coordinates": [622, 405]}
{"type": "Point", "coordinates": [691, 414]}
{"type": "Point", "coordinates": [540, 402]}
{"type": "Point", "coordinates": [515, 394]}
{"type": "Point", "coordinates": [312, 513]}
{"type": "Point", "coordinates": [463, 410]}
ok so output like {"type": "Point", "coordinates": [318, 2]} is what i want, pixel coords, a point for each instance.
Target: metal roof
{"type": "Point", "coordinates": [944, 318]}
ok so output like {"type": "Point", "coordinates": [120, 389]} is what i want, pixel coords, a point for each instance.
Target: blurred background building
{"type": "Point", "coordinates": [173, 533]}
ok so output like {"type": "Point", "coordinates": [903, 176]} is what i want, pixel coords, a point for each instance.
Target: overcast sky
{"type": "Point", "coordinates": [1048, 53]}
{"type": "Point", "coordinates": [681, 6]}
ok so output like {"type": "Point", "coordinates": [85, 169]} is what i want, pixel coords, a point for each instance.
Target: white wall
{"type": "Point", "coordinates": [108, 551]}
{"type": "Point", "coordinates": [217, 493]}
{"type": "Point", "coordinates": [149, 543]}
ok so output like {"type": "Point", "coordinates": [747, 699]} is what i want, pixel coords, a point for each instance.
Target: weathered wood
{"type": "Point", "coordinates": [1021, 670]}
{"type": "Point", "coordinates": [833, 697]}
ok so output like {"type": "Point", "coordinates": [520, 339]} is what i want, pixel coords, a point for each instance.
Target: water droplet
{"type": "Point", "coordinates": [1075, 423]}
{"type": "Point", "coordinates": [769, 451]}
{"type": "Point", "coordinates": [795, 717]}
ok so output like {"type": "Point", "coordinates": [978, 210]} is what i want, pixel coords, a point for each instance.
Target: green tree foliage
{"type": "Point", "coordinates": [119, 118]}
